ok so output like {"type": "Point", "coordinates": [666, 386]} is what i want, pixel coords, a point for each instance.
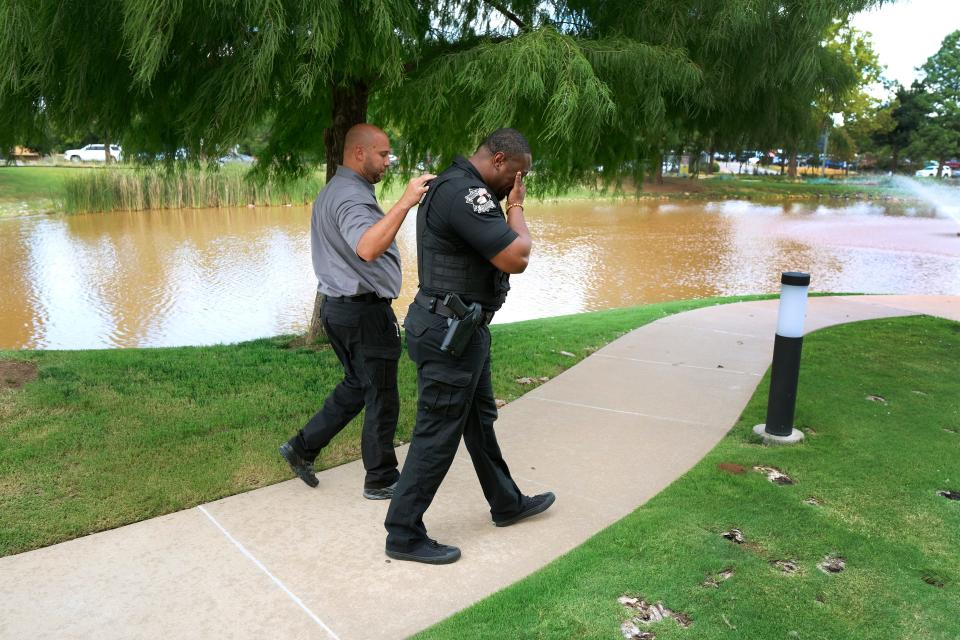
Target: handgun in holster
{"type": "Point", "coordinates": [461, 328]}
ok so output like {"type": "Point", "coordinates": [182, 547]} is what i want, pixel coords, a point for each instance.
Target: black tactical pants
{"type": "Point", "coordinates": [455, 399]}
{"type": "Point", "coordinates": [366, 338]}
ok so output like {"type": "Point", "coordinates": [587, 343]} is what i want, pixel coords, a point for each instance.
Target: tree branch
{"type": "Point", "coordinates": [499, 6]}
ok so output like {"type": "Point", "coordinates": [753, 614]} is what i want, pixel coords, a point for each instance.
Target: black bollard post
{"type": "Point", "coordinates": [785, 370]}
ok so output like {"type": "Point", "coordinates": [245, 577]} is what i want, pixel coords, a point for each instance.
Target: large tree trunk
{"type": "Point", "coordinates": [108, 158]}
{"type": "Point", "coordinates": [349, 108]}
{"type": "Point", "coordinates": [316, 331]}
{"type": "Point", "coordinates": [792, 168]}
{"type": "Point", "coordinates": [895, 160]}
{"type": "Point", "coordinates": [713, 154]}
{"type": "Point", "coordinates": [658, 167]}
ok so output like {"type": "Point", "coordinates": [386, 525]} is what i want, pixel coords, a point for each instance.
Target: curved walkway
{"type": "Point", "coordinates": [289, 562]}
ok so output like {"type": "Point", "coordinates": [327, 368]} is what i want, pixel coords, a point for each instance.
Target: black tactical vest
{"type": "Point", "coordinates": [446, 267]}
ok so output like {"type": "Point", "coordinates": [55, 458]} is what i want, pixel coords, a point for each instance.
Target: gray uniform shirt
{"type": "Point", "coordinates": [345, 208]}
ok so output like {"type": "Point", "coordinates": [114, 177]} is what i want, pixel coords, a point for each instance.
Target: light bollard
{"type": "Point", "coordinates": [785, 371]}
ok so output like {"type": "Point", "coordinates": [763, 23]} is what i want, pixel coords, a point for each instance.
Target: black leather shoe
{"type": "Point", "coordinates": [383, 493]}
{"type": "Point", "coordinates": [428, 552]}
{"type": "Point", "coordinates": [301, 467]}
{"type": "Point", "coordinates": [531, 507]}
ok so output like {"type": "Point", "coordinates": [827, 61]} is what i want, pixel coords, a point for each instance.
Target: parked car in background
{"type": "Point", "coordinates": [92, 153]}
{"type": "Point", "coordinates": [954, 166]}
{"type": "Point", "coordinates": [930, 171]}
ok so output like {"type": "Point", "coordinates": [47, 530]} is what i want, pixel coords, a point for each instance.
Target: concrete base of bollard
{"type": "Point", "coordinates": [768, 438]}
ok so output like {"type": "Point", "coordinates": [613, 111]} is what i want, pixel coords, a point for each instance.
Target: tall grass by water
{"type": "Point", "coordinates": [123, 189]}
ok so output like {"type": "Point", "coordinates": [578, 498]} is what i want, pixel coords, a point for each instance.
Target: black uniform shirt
{"type": "Point", "coordinates": [469, 215]}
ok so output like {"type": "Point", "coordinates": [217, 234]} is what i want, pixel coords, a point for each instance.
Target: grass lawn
{"type": "Point", "coordinates": [105, 438]}
{"type": "Point", "coordinates": [773, 187]}
{"type": "Point", "coordinates": [873, 465]}
{"type": "Point", "coordinates": [32, 189]}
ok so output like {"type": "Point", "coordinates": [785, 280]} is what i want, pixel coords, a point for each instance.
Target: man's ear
{"type": "Point", "coordinates": [499, 158]}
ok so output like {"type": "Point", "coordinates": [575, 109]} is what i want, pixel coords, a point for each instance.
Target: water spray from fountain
{"type": "Point", "coordinates": [945, 200]}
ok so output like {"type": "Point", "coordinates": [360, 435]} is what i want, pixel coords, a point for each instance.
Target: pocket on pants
{"type": "Point", "coordinates": [380, 335]}
{"type": "Point", "coordinates": [444, 391]}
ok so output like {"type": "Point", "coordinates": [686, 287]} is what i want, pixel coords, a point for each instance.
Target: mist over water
{"type": "Point", "coordinates": [942, 196]}
{"type": "Point", "coordinates": [170, 278]}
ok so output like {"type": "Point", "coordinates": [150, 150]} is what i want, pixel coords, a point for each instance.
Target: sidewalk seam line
{"type": "Point", "coordinates": [276, 580]}
{"type": "Point", "coordinates": [702, 328]}
{"type": "Point", "coordinates": [629, 413]}
{"type": "Point", "coordinates": [680, 364]}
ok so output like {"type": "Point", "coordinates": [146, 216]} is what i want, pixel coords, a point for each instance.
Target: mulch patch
{"type": "Point", "coordinates": [13, 374]}
{"type": "Point", "coordinates": [731, 467]}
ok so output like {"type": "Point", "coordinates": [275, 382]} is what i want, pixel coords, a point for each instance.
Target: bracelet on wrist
{"type": "Point", "coordinates": [510, 205]}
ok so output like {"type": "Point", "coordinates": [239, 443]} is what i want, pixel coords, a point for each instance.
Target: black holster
{"type": "Point", "coordinates": [460, 328]}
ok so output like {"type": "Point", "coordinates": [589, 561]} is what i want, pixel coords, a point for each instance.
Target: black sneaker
{"type": "Point", "coordinates": [383, 493]}
{"type": "Point", "coordinates": [429, 552]}
{"type": "Point", "coordinates": [531, 507]}
{"type": "Point", "coordinates": [301, 467]}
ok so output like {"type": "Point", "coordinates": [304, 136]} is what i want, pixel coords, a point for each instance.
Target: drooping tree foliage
{"type": "Point", "coordinates": [616, 83]}
{"type": "Point", "coordinates": [592, 82]}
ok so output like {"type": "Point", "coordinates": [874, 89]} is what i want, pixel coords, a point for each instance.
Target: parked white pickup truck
{"type": "Point", "coordinates": [92, 153]}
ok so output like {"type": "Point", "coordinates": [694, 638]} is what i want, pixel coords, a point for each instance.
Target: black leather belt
{"type": "Point", "coordinates": [363, 297]}
{"type": "Point", "coordinates": [435, 305]}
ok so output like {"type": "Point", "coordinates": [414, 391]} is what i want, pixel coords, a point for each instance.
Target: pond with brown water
{"type": "Point", "coordinates": [164, 278]}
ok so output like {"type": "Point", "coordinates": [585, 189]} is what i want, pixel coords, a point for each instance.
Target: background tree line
{"type": "Point", "coordinates": [592, 82]}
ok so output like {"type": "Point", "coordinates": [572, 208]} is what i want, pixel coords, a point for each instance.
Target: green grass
{"type": "Point", "coordinates": [776, 187]}
{"type": "Point", "coordinates": [876, 467]}
{"type": "Point", "coordinates": [32, 189]}
{"type": "Point", "coordinates": [106, 438]}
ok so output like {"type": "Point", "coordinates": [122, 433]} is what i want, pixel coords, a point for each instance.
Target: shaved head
{"type": "Point", "coordinates": [362, 135]}
{"type": "Point", "coordinates": [366, 150]}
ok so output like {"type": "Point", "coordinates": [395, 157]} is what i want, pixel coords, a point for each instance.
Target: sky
{"type": "Point", "coordinates": [907, 32]}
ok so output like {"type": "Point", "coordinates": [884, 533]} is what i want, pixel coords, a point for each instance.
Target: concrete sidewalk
{"type": "Point", "coordinates": [289, 562]}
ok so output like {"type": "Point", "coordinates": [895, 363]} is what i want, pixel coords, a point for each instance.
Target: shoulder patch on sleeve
{"type": "Point", "coordinates": [480, 199]}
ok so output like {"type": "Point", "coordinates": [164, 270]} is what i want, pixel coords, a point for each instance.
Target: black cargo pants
{"type": "Point", "coordinates": [366, 338]}
{"type": "Point", "coordinates": [455, 398]}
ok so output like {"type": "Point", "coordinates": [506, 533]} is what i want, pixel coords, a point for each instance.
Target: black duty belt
{"type": "Point", "coordinates": [363, 297]}
{"type": "Point", "coordinates": [435, 305]}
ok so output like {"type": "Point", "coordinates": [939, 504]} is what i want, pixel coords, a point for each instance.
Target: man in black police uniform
{"type": "Point", "coordinates": [357, 263]}
{"type": "Point", "coordinates": [466, 248]}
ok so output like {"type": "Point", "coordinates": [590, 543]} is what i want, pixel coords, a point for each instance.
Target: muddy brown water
{"type": "Point", "coordinates": [163, 278]}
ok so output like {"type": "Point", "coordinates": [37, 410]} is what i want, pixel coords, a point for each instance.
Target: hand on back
{"type": "Point", "coordinates": [415, 190]}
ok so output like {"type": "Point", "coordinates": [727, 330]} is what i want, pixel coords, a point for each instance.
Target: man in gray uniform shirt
{"type": "Point", "coordinates": [357, 263]}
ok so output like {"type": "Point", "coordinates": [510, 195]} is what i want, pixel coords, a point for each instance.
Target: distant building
{"type": "Point", "coordinates": [23, 153]}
